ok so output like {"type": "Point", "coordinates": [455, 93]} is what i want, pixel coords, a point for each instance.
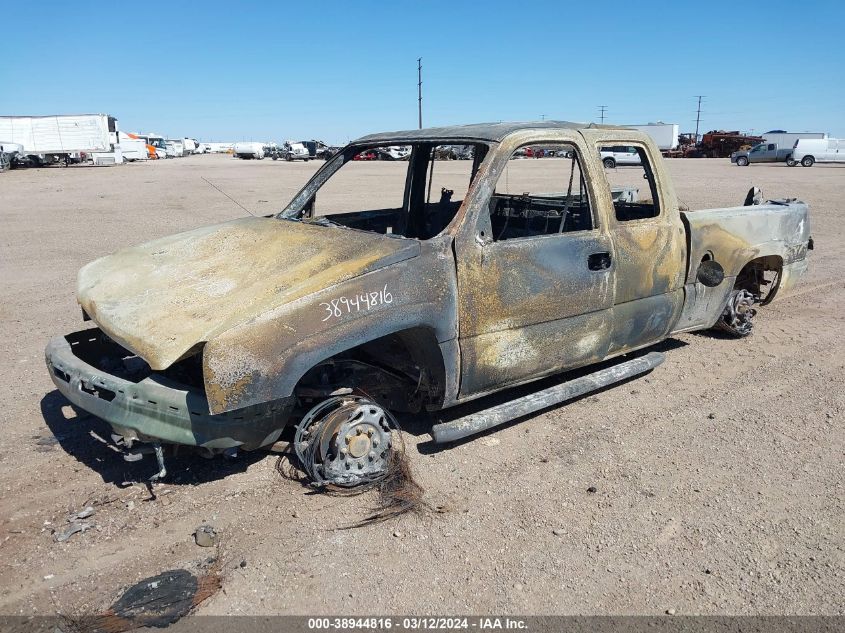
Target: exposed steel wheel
{"type": "Point", "coordinates": [737, 319]}
{"type": "Point", "coordinates": [345, 441]}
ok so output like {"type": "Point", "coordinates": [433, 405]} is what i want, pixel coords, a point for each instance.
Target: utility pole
{"type": "Point", "coordinates": [601, 110]}
{"type": "Point", "coordinates": [419, 88]}
{"type": "Point", "coordinates": [542, 117]}
{"type": "Point", "coordinates": [698, 116]}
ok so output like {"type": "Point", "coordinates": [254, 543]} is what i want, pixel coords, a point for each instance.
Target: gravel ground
{"type": "Point", "coordinates": [718, 477]}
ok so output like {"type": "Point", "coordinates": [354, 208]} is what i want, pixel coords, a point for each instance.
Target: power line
{"type": "Point", "coordinates": [602, 109]}
{"type": "Point", "coordinates": [419, 88]}
{"type": "Point", "coordinates": [698, 116]}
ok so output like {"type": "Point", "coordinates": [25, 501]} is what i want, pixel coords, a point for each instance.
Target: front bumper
{"type": "Point", "coordinates": [155, 409]}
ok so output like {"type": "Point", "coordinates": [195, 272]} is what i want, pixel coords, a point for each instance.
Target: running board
{"type": "Point", "coordinates": [494, 416]}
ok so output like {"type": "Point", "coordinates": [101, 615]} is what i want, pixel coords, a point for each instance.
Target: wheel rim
{"type": "Point", "coordinates": [345, 441]}
{"type": "Point", "coordinates": [739, 313]}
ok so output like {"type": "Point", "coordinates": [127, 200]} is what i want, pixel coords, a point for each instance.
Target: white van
{"type": "Point", "coordinates": [818, 150]}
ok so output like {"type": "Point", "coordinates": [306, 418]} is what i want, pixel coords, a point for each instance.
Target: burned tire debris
{"type": "Point", "coordinates": [348, 445]}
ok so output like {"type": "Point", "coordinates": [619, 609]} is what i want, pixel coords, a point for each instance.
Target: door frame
{"type": "Point", "coordinates": [474, 235]}
{"type": "Point", "coordinates": [643, 301]}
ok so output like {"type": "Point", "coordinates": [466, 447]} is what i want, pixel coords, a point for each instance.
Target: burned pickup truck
{"type": "Point", "coordinates": [417, 286]}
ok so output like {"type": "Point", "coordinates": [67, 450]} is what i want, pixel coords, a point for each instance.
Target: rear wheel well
{"type": "Point", "coordinates": [403, 371]}
{"type": "Point", "coordinates": [761, 277]}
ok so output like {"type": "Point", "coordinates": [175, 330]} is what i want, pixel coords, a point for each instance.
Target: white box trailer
{"type": "Point", "coordinates": [249, 149]}
{"type": "Point", "coordinates": [220, 148]}
{"type": "Point", "coordinates": [59, 135]}
{"type": "Point", "coordinates": [665, 135]}
{"type": "Point", "coordinates": [788, 139]}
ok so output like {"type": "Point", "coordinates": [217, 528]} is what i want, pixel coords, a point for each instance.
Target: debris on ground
{"type": "Point", "coordinates": [206, 536]}
{"type": "Point", "coordinates": [86, 512]}
{"type": "Point", "coordinates": [74, 527]}
{"type": "Point", "coordinates": [158, 601]}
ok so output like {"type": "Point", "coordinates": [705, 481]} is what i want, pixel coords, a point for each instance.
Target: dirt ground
{"type": "Point", "coordinates": [719, 476]}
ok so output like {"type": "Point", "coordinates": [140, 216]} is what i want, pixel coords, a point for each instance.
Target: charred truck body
{"type": "Point", "coordinates": [453, 289]}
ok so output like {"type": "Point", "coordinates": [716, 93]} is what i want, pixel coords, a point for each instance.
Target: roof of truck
{"type": "Point", "coordinates": [479, 131]}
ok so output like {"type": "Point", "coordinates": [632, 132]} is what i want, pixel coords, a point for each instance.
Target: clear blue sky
{"type": "Point", "coordinates": [237, 70]}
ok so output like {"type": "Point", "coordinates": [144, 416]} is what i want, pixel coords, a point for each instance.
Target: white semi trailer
{"type": "Point", "coordinates": [788, 139]}
{"type": "Point", "coordinates": [47, 139]}
{"type": "Point", "coordinates": [249, 149]}
{"type": "Point", "coordinates": [664, 134]}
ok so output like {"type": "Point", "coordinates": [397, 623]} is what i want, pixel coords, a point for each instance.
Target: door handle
{"type": "Point", "coordinates": [598, 261]}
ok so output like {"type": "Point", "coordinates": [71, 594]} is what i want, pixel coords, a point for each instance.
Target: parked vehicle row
{"type": "Point", "coordinates": [288, 151]}
{"type": "Point", "coordinates": [806, 151]}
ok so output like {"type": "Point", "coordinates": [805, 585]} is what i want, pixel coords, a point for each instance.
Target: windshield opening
{"type": "Point", "coordinates": [410, 190]}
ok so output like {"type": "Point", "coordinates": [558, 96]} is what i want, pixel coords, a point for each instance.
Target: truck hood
{"type": "Point", "coordinates": [163, 298]}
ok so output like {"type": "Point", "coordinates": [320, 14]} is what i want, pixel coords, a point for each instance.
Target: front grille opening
{"type": "Point", "coordinates": [60, 374]}
{"type": "Point", "coordinates": [100, 392]}
{"type": "Point", "coordinates": [96, 349]}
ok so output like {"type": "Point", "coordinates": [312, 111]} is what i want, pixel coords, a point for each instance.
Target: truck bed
{"type": "Point", "coordinates": [736, 235]}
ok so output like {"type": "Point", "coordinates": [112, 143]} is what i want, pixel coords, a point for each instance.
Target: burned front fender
{"type": "Point", "coordinates": [263, 359]}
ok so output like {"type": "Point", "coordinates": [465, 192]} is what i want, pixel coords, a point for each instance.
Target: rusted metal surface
{"type": "Point", "coordinates": [262, 302]}
{"type": "Point", "coordinates": [162, 298]}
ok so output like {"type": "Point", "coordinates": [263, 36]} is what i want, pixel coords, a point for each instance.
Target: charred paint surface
{"type": "Point", "coordinates": [162, 298]}
{"type": "Point", "coordinates": [262, 358]}
{"type": "Point", "coordinates": [737, 235]}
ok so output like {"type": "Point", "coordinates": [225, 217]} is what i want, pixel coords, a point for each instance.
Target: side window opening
{"type": "Point", "coordinates": [633, 188]}
{"type": "Point", "coordinates": [411, 191]}
{"type": "Point", "coordinates": [450, 169]}
{"type": "Point", "coordinates": [540, 192]}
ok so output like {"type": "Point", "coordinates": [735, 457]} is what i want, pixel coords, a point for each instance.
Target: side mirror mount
{"type": "Point", "coordinates": [710, 273]}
